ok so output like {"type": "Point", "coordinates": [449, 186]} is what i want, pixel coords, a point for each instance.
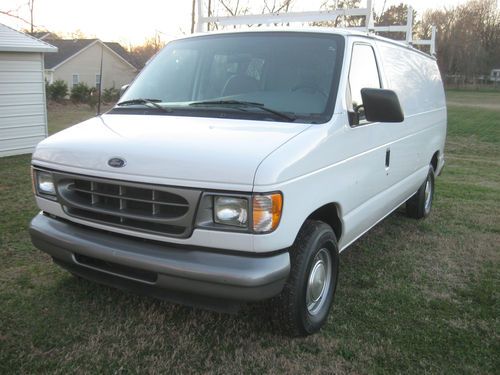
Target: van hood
{"type": "Point", "coordinates": [180, 150]}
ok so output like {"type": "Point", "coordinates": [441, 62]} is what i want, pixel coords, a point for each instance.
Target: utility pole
{"type": "Point", "coordinates": [31, 6]}
{"type": "Point", "coordinates": [193, 8]}
{"type": "Point", "coordinates": [209, 13]}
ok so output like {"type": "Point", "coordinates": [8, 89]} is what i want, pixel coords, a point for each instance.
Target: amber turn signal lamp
{"type": "Point", "coordinates": [266, 212]}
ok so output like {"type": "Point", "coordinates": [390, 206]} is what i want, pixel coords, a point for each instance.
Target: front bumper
{"type": "Point", "coordinates": [184, 275]}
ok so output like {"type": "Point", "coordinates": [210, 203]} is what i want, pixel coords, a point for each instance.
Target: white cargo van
{"type": "Point", "coordinates": [237, 166]}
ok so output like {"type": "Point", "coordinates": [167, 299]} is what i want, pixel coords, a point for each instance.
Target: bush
{"type": "Point", "coordinates": [57, 91]}
{"type": "Point", "coordinates": [80, 93]}
{"type": "Point", "coordinates": [110, 95]}
{"type": "Point", "coordinates": [47, 89]}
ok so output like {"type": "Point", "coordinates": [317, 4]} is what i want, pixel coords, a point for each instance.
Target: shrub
{"type": "Point", "coordinates": [80, 93]}
{"type": "Point", "coordinates": [110, 95]}
{"type": "Point", "coordinates": [47, 89]}
{"type": "Point", "coordinates": [58, 90]}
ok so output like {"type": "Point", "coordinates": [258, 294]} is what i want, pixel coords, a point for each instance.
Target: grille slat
{"type": "Point", "coordinates": [123, 204]}
{"type": "Point", "coordinates": [128, 213]}
{"type": "Point", "coordinates": [94, 198]}
{"type": "Point", "coordinates": [125, 197]}
{"type": "Point", "coordinates": [144, 207]}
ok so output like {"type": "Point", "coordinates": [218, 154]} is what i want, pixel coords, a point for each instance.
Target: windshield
{"type": "Point", "coordinates": [260, 76]}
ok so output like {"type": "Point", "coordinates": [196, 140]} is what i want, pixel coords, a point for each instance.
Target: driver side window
{"type": "Point", "coordinates": [363, 73]}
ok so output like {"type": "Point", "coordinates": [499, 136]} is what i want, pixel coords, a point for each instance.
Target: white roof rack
{"type": "Point", "coordinates": [317, 16]}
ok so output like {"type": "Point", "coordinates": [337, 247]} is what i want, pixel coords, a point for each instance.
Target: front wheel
{"type": "Point", "coordinates": [419, 205]}
{"type": "Point", "coordinates": [302, 307]}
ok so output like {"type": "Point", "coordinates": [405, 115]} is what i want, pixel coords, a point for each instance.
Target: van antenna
{"type": "Point", "coordinates": [100, 83]}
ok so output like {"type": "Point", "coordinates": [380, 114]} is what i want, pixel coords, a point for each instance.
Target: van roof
{"type": "Point", "coordinates": [315, 30]}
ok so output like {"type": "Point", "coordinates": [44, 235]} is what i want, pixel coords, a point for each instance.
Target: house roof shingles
{"type": "Point", "coordinates": [69, 47]}
{"type": "Point", "coordinates": [43, 35]}
{"type": "Point", "coordinates": [117, 48]}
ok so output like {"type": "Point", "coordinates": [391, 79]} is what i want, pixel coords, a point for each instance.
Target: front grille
{"type": "Point", "coordinates": [148, 208]}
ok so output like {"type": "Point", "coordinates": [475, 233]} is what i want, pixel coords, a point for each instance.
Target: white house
{"type": "Point", "coordinates": [23, 110]}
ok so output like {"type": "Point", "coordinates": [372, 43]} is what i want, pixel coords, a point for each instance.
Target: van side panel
{"type": "Point", "coordinates": [414, 77]}
{"type": "Point", "coordinates": [339, 164]}
{"type": "Point", "coordinates": [417, 81]}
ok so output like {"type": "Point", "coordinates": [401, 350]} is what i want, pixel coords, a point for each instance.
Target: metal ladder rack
{"type": "Point", "coordinates": [318, 16]}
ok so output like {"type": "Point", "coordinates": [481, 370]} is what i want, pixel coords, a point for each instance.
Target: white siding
{"type": "Point", "coordinates": [22, 102]}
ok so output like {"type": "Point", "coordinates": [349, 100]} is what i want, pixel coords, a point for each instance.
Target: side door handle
{"type": "Point", "coordinates": [387, 158]}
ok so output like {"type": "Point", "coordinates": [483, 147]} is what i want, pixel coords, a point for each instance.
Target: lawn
{"type": "Point", "coordinates": [488, 99]}
{"type": "Point", "coordinates": [60, 116]}
{"type": "Point", "coordinates": [413, 296]}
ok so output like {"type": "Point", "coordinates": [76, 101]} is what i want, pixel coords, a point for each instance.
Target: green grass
{"type": "Point", "coordinates": [60, 116]}
{"type": "Point", "coordinates": [489, 100]}
{"type": "Point", "coordinates": [413, 296]}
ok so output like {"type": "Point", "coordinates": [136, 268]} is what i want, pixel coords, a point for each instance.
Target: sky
{"type": "Point", "coordinates": [131, 22]}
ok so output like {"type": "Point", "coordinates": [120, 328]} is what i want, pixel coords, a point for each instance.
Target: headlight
{"type": "Point", "coordinates": [267, 212]}
{"type": "Point", "coordinates": [44, 183]}
{"type": "Point", "coordinates": [231, 211]}
{"type": "Point", "coordinates": [250, 213]}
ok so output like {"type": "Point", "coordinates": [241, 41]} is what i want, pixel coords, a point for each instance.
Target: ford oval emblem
{"type": "Point", "coordinates": [116, 162]}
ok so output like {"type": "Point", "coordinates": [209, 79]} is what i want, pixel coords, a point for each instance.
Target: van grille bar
{"type": "Point", "coordinates": [142, 207]}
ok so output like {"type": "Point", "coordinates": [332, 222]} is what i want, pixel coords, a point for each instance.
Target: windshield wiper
{"type": "Point", "coordinates": [153, 102]}
{"type": "Point", "coordinates": [242, 104]}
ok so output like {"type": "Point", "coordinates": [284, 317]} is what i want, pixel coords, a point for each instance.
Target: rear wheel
{"type": "Point", "coordinates": [419, 205]}
{"type": "Point", "coordinates": [302, 307]}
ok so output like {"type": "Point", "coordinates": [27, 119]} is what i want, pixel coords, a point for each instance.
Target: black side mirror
{"type": "Point", "coordinates": [123, 89]}
{"type": "Point", "coordinates": [381, 105]}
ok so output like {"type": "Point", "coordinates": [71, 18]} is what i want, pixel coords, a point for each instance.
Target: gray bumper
{"type": "Point", "coordinates": [161, 270]}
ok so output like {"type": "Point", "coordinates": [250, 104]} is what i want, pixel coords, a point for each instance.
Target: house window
{"type": "Point", "coordinates": [97, 80]}
{"type": "Point", "coordinates": [76, 79]}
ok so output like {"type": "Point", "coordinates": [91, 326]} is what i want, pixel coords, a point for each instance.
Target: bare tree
{"type": "Point", "coordinates": [141, 54]}
{"type": "Point", "coordinates": [14, 13]}
{"type": "Point", "coordinates": [277, 6]}
{"type": "Point", "coordinates": [235, 7]}
{"type": "Point", "coordinates": [209, 13]}
{"type": "Point", "coordinates": [238, 7]}
{"type": "Point", "coordinates": [347, 21]}
{"type": "Point", "coordinates": [395, 15]}
{"type": "Point", "coordinates": [468, 38]}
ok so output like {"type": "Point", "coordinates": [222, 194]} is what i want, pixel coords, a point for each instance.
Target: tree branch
{"type": "Point", "coordinates": [9, 13]}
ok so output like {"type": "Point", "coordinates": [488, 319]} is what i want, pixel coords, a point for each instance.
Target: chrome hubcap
{"type": "Point", "coordinates": [428, 195]}
{"type": "Point", "coordinates": [319, 281]}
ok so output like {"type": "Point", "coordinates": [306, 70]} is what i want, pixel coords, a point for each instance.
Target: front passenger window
{"type": "Point", "coordinates": [363, 73]}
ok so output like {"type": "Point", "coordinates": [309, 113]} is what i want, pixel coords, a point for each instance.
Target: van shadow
{"type": "Point", "coordinates": [103, 305]}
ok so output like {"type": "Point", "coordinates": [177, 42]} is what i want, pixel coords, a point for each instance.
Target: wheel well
{"type": "Point", "coordinates": [434, 160]}
{"type": "Point", "coordinates": [329, 214]}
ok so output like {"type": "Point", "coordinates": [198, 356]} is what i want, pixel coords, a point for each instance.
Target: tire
{"type": "Point", "coordinates": [419, 205]}
{"type": "Point", "coordinates": [302, 307]}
